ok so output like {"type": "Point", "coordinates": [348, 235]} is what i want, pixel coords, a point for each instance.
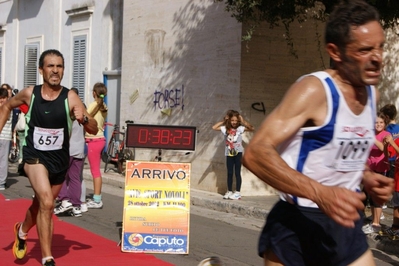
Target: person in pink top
{"type": "Point", "coordinates": [378, 162]}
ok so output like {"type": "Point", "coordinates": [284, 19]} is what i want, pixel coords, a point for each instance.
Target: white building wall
{"type": "Point", "coordinates": [193, 47]}
{"type": "Point", "coordinates": [46, 22]}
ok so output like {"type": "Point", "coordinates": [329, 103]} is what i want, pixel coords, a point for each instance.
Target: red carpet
{"type": "Point", "coordinates": [72, 245]}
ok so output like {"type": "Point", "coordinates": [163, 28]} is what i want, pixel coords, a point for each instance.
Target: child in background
{"type": "Point", "coordinates": [232, 128]}
{"type": "Point", "coordinates": [96, 143]}
{"type": "Point", "coordinates": [378, 162]}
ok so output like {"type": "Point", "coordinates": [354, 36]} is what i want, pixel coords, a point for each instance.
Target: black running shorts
{"type": "Point", "coordinates": [54, 178]}
{"type": "Point", "coordinates": [306, 236]}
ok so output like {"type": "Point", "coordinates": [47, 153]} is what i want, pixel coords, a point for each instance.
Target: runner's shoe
{"type": "Point", "coordinates": [49, 262]}
{"type": "Point", "coordinates": [63, 207]}
{"type": "Point", "coordinates": [19, 247]}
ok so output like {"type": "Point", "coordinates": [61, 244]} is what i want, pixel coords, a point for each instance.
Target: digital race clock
{"type": "Point", "coordinates": [160, 137]}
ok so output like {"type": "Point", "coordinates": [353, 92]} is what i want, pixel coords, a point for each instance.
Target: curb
{"type": "Point", "coordinates": [249, 208]}
{"type": "Point", "coordinates": [229, 206]}
{"type": "Point", "coordinates": [198, 198]}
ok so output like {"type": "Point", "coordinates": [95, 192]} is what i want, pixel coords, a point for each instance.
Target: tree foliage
{"type": "Point", "coordinates": [276, 12]}
{"type": "Point", "coordinates": [284, 12]}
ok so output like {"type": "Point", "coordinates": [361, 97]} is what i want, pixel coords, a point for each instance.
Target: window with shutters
{"type": "Point", "coordinates": [79, 64]}
{"type": "Point", "coordinates": [30, 65]}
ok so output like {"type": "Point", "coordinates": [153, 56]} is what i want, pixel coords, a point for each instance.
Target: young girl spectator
{"type": "Point", "coordinates": [96, 143]}
{"type": "Point", "coordinates": [378, 162]}
{"type": "Point", "coordinates": [232, 127]}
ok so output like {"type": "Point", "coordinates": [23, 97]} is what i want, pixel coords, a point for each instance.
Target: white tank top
{"type": "Point", "coordinates": [335, 153]}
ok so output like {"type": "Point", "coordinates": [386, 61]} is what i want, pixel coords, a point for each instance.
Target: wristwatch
{"type": "Point", "coordinates": [85, 120]}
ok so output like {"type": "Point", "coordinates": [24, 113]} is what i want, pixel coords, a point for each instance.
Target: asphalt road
{"type": "Point", "coordinates": [231, 237]}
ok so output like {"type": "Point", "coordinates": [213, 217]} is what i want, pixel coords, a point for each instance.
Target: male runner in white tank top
{"type": "Point", "coordinates": [313, 148]}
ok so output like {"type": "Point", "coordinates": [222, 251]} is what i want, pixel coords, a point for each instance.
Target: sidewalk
{"type": "Point", "coordinates": [256, 207]}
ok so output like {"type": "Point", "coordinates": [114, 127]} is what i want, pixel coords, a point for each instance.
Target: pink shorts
{"type": "Point", "coordinates": [95, 147]}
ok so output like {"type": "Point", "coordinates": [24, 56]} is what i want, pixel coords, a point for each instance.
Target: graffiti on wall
{"type": "Point", "coordinates": [154, 46]}
{"type": "Point", "coordinates": [259, 106]}
{"type": "Point", "coordinates": [173, 98]}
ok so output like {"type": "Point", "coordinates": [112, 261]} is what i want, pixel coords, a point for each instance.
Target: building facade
{"type": "Point", "coordinates": [87, 33]}
{"type": "Point", "coordinates": [184, 64]}
{"type": "Point", "coordinates": [166, 62]}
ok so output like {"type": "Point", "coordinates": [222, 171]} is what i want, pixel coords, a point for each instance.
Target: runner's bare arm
{"type": "Point", "coordinates": [20, 98]}
{"type": "Point", "coordinates": [304, 105]}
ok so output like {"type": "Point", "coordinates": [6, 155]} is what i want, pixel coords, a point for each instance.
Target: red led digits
{"type": "Point", "coordinates": [187, 137]}
{"type": "Point", "coordinates": [165, 137]}
{"type": "Point", "coordinates": [161, 137]}
{"type": "Point", "coordinates": [142, 136]}
{"type": "Point", "coordinates": [177, 135]}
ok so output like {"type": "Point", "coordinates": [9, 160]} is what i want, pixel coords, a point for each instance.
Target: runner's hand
{"type": "Point", "coordinates": [379, 187]}
{"type": "Point", "coordinates": [341, 204]}
{"type": "Point", "coordinates": [78, 112]}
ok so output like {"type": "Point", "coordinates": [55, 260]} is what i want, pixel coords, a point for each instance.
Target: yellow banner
{"type": "Point", "coordinates": [156, 207]}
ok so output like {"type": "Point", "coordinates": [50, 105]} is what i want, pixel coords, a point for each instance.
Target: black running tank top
{"type": "Point", "coordinates": [48, 131]}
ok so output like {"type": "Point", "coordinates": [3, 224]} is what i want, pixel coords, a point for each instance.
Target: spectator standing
{"type": "Point", "coordinates": [232, 128]}
{"type": "Point", "coordinates": [96, 142]}
{"type": "Point", "coordinates": [378, 163]}
{"type": "Point", "coordinates": [393, 150]}
{"type": "Point", "coordinates": [8, 88]}
{"type": "Point", "coordinates": [71, 191]}
{"type": "Point", "coordinates": [5, 139]}
{"type": "Point", "coordinates": [391, 112]}
{"type": "Point", "coordinates": [21, 133]}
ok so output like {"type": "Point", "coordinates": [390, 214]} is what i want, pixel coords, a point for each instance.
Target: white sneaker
{"type": "Point", "coordinates": [369, 229]}
{"type": "Point", "coordinates": [63, 207]}
{"type": "Point", "coordinates": [235, 196]}
{"type": "Point", "coordinates": [94, 205]}
{"type": "Point", "coordinates": [83, 207]}
{"type": "Point", "coordinates": [228, 194]}
{"type": "Point", "coordinates": [76, 212]}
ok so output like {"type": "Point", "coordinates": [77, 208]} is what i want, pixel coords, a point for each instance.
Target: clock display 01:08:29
{"type": "Point", "coordinates": [165, 136]}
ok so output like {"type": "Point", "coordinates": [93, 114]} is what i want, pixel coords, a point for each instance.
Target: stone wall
{"type": "Point", "coordinates": [184, 64]}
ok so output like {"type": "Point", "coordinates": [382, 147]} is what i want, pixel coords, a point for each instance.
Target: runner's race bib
{"type": "Point", "coordinates": [48, 139]}
{"type": "Point", "coordinates": [352, 148]}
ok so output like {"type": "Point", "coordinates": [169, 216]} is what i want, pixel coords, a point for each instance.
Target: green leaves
{"type": "Point", "coordinates": [277, 12]}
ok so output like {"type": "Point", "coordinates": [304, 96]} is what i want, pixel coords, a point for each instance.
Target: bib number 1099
{"type": "Point", "coordinates": [352, 150]}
